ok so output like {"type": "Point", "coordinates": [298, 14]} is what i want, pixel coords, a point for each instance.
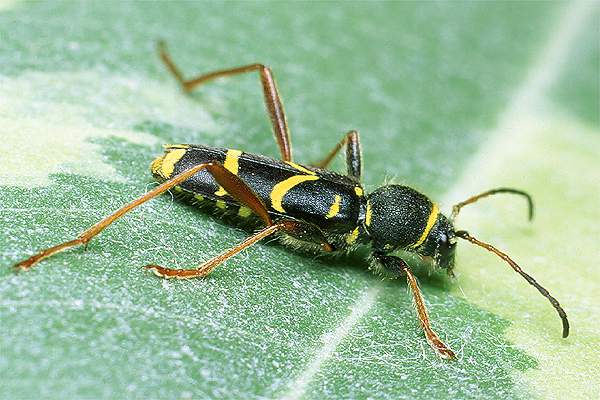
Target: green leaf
{"type": "Point", "coordinates": [86, 106]}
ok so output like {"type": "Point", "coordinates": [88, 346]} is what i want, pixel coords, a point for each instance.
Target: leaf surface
{"type": "Point", "coordinates": [86, 106]}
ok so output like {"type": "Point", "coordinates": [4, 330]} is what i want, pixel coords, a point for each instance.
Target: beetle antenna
{"type": "Point", "coordinates": [456, 208]}
{"type": "Point", "coordinates": [563, 316]}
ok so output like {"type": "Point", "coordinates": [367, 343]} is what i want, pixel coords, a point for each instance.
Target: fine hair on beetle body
{"type": "Point", "coordinates": [307, 206]}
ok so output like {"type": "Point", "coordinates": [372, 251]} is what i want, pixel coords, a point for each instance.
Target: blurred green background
{"type": "Point", "coordinates": [450, 98]}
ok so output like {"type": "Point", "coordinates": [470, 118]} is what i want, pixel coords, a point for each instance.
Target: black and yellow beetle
{"type": "Point", "coordinates": [309, 207]}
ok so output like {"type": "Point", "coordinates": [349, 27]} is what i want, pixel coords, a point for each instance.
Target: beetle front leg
{"type": "Point", "coordinates": [398, 267]}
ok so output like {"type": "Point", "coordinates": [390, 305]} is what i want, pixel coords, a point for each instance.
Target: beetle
{"type": "Point", "coordinates": [307, 206]}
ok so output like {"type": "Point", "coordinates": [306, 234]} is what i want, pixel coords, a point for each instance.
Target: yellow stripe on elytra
{"type": "Point", "coordinates": [156, 164]}
{"type": "Point", "coordinates": [300, 168]}
{"type": "Point", "coordinates": [285, 186]}
{"type": "Point", "coordinates": [369, 214]}
{"type": "Point", "coordinates": [430, 222]}
{"type": "Point", "coordinates": [335, 207]}
{"type": "Point", "coordinates": [351, 238]}
{"type": "Point", "coordinates": [165, 165]}
{"type": "Point", "coordinates": [232, 165]}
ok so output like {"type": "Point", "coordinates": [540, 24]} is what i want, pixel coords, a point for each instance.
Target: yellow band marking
{"type": "Point", "coordinates": [369, 214]}
{"type": "Point", "coordinates": [430, 222]}
{"type": "Point", "coordinates": [199, 197]}
{"type": "Point", "coordinates": [335, 207]}
{"type": "Point", "coordinates": [285, 186]}
{"type": "Point", "coordinates": [231, 161]}
{"type": "Point", "coordinates": [231, 164]}
{"type": "Point", "coordinates": [164, 166]}
{"type": "Point", "coordinates": [155, 165]}
{"type": "Point", "coordinates": [300, 168]}
{"type": "Point", "coordinates": [244, 212]}
{"type": "Point", "coordinates": [221, 204]}
{"type": "Point", "coordinates": [359, 191]}
{"type": "Point", "coordinates": [351, 238]}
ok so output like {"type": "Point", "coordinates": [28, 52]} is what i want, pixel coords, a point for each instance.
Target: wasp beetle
{"type": "Point", "coordinates": [308, 207]}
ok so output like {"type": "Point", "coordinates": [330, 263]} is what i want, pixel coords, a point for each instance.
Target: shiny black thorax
{"type": "Point", "coordinates": [399, 216]}
{"type": "Point", "coordinates": [405, 219]}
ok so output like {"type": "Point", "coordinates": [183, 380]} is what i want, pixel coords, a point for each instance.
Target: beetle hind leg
{"type": "Point", "coordinates": [94, 230]}
{"type": "Point", "coordinates": [272, 100]}
{"type": "Point", "coordinates": [229, 181]}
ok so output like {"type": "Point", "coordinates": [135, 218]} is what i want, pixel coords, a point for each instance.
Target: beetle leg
{"type": "Point", "coordinates": [271, 95]}
{"type": "Point", "coordinates": [353, 155]}
{"type": "Point", "coordinates": [292, 227]}
{"type": "Point", "coordinates": [309, 233]}
{"type": "Point", "coordinates": [207, 267]}
{"type": "Point", "coordinates": [230, 182]}
{"type": "Point", "coordinates": [397, 266]}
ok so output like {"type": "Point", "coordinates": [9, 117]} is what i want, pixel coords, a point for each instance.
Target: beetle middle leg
{"type": "Point", "coordinates": [207, 267]}
{"type": "Point", "coordinates": [292, 227]}
{"type": "Point", "coordinates": [272, 99]}
{"type": "Point", "coordinates": [353, 155]}
{"type": "Point", "coordinates": [397, 266]}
